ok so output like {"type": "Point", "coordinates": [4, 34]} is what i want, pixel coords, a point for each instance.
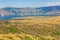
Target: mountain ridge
{"type": "Point", "coordinates": [28, 11]}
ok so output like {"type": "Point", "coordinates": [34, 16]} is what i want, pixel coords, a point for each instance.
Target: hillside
{"type": "Point", "coordinates": [31, 28]}
{"type": "Point", "coordinates": [11, 12]}
{"type": "Point", "coordinates": [51, 10]}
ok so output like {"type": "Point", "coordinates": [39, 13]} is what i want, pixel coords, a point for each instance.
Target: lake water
{"type": "Point", "coordinates": [11, 17]}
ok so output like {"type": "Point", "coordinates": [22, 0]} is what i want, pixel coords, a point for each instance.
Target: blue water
{"type": "Point", "coordinates": [11, 17]}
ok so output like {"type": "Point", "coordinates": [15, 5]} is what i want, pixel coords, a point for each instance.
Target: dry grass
{"type": "Point", "coordinates": [39, 28]}
{"type": "Point", "coordinates": [17, 37]}
{"type": "Point", "coordinates": [23, 37]}
{"type": "Point", "coordinates": [43, 19]}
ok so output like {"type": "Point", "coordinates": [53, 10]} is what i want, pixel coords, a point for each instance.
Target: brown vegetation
{"type": "Point", "coordinates": [45, 28]}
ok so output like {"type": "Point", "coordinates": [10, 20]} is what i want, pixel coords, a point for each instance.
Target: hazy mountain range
{"type": "Point", "coordinates": [10, 12]}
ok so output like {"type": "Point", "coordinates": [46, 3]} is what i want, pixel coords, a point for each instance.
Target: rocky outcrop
{"type": "Point", "coordinates": [28, 11]}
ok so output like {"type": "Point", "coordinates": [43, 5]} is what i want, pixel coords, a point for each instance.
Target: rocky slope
{"type": "Point", "coordinates": [40, 11]}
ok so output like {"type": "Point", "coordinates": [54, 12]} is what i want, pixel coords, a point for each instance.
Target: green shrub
{"type": "Point", "coordinates": [13, 30]}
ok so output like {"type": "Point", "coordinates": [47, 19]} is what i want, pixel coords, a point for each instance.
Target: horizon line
{"type": "Point", "coordinates": [26, 7]}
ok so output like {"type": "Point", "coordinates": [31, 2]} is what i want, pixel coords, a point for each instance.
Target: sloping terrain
{"type": "Point", "coordinates": [12, 12]}
{"type": "Point", "coordinates": [28, 11]}
{"type": "Point", "coordinates": [31, 28]}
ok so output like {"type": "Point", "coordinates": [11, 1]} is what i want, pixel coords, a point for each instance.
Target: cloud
{"type": "Point", "coordinates": [53, 3]}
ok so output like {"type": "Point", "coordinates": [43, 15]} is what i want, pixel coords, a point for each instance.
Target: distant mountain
{"type": "Point", "coordinates": [4, 14]}
{"type": "Point", "coordinates": [39, 11]}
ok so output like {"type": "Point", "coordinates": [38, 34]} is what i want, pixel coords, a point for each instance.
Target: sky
{"type": "Point", "coordinates": [28, 3]}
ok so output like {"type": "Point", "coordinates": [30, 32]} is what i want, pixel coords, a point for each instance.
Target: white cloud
{"type": "Point", "coordinates": [53, 3]}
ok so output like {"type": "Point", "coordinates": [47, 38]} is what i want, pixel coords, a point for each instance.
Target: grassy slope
{"type": "Point", "coordinates": [45, 28]}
